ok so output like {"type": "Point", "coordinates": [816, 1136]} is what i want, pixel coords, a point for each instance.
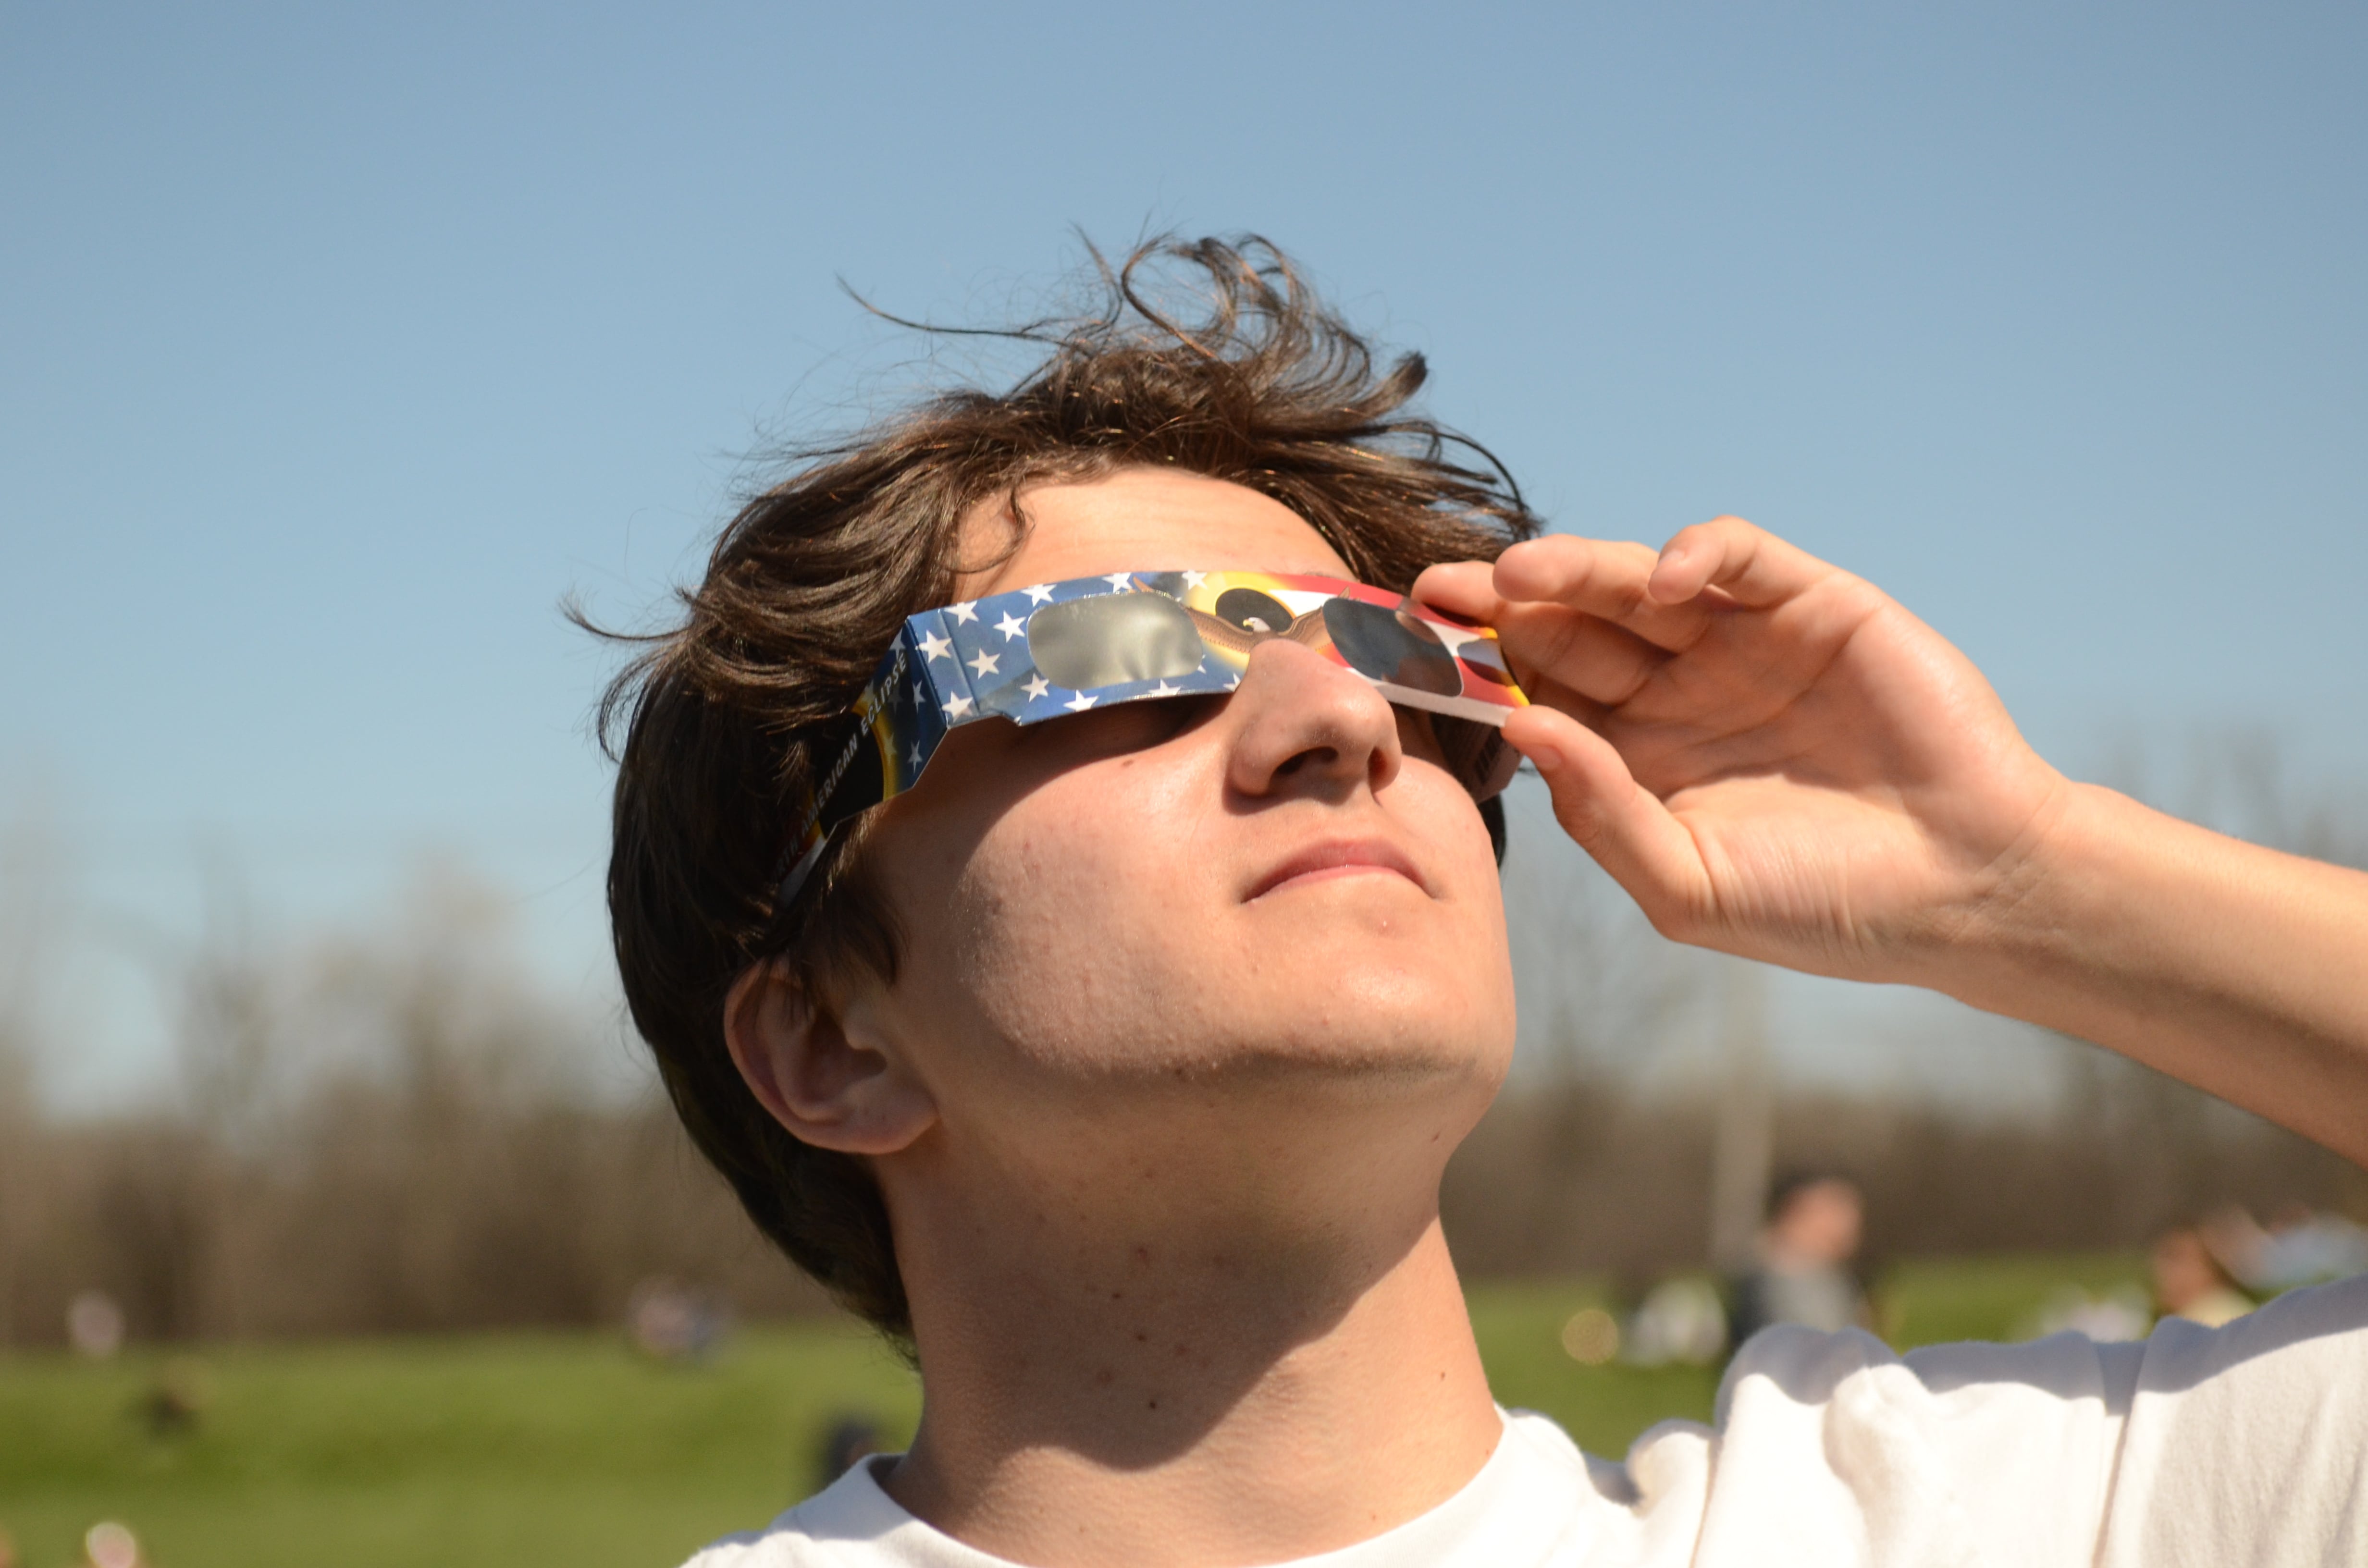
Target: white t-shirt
{"type": "Point", "coordinates": [2246, 1445]}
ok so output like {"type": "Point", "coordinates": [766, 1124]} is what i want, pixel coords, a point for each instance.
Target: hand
{"type": "Point", "coordinates": [1771, 755]}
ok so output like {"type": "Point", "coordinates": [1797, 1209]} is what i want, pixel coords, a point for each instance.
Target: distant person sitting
{"type": "Point", "coordinates": [1816, 1220]}
{"type": "Point", "coordinates": [2301, 1245]}
{"type": "Point", "coordinates": [2190, 1282]}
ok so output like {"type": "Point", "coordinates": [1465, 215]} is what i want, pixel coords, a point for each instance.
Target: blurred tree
{"type": "Point", "coordinates": [31, 885]}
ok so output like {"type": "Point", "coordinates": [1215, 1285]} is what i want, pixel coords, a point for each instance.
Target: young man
{"type": "Point", "coordinates": [1113, 1061]}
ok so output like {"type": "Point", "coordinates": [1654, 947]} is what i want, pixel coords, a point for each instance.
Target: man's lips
{"type": "Point", "coordinates": [1337, 857]}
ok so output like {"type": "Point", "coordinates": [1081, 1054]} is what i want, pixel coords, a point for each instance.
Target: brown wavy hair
{"type": "Point", "coordinates": [1205, 355]}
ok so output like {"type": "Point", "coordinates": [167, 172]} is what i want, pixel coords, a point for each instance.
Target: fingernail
{"type": "Point", "coordinates": [1548, 759]}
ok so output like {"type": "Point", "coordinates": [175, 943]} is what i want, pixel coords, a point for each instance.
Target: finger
{"type": "Point", "coordinates": [1460, 588]}
{"type": "Point", "coordinates": [1616, 820]}
{"type": "Point", "coordinates": [1749, 564]}
{"type": "Point", "coordinates": [1576, 661]}
{"type": "Point", "coordinates": [1603, 662]}
{"type": "Point", "coordinates": [1599, 578]}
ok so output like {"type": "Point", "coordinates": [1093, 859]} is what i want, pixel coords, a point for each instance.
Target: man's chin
{"type": "Point", "coordinates": [1327, 1062]}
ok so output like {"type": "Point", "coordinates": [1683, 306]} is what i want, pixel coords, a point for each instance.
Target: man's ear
{"type": "Point", "coordinates": [823, 1070]}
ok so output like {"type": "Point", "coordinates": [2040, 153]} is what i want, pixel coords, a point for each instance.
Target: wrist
{"type": "Point", "coordinates": [2231, 966]}
{"type": "Point", "coordinates": [2045, 904]}
{"type": "Point", "coordinates": [2091, 933]}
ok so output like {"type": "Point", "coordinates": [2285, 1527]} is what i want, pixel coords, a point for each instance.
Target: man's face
{"type": "Point", "coordinates": [1277, 899]}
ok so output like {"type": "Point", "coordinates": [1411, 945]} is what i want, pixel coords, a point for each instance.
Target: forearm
{"type": "Point", "coordinates": [2233, 968]}
{"type": "Point", "coordinates": [1796, 769]}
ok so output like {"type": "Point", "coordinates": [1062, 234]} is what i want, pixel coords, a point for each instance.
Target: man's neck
{"type": "Point", "coordinates": [1192, 1394]}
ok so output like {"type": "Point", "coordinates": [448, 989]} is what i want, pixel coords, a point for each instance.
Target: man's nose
{"type": "Point", "coordinates": [1301, 722]}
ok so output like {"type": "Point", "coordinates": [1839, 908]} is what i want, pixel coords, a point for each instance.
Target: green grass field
{"type": "Point", "coordinates": [568, 1449]}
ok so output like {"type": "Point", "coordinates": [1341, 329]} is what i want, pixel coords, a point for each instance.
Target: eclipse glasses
{"type": "Point", "coordinates": [1063, 648]}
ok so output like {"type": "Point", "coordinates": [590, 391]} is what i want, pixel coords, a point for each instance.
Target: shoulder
{"type": "Point", "coordinates": [852, 1523]}
{"type": "Point", "coordinates": [746, 1549]}
{"type": "Point", "coordinates": [2019, 1452]}
{"type": "Point", "coordinates": [1544, 1456]}
{"type": "Point", "coordinates": [784, 1544]}
{"type": "Point", "coordinates": [2251, 1440]}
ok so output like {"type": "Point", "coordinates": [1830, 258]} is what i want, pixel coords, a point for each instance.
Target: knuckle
{"type": "Point", "coordinates": [1582, 818]}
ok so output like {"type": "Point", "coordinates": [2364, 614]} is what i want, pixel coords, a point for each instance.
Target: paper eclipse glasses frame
{"type": "Point", "coordinates": [1058, 649]}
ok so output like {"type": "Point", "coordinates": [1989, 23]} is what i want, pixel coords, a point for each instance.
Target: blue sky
{"type": "Point", "coordinates": [337, 344]}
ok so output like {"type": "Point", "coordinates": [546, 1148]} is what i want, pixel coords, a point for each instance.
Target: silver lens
{"type": "Point", "coordinates": [1110, 639]}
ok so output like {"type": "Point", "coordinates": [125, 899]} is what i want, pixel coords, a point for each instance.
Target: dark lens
{"type": "Point", "coordinates": [1253, 611]}
{"type": "Point", "coordinates": [1113, 638]}
{"type": "Point", "coordinates": [1382, 644]}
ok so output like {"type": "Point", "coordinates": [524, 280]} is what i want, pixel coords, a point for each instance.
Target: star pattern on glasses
{"type": "Point", "coordinates": [896, 706]}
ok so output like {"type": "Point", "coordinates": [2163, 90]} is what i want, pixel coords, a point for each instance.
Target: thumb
{"type": "Point", "coordinates": [1616, 820]}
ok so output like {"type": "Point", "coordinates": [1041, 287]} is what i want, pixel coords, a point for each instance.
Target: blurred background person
{"type": "Point", "coordinates": [94, 1324]}
{"type": "Point", "coordinates": [668, 1322]}
{"type": "Point", "coordinates": [2300, 1245]}
{"type": "Point", "coordinates": [2190, 1282]}
{"type": "Point", "coordinates": [1815, 1221]}
{"type": "Point", "coordinates": [111, 1545]}
{"type": "Point", "coordinates": [1681, 1322]}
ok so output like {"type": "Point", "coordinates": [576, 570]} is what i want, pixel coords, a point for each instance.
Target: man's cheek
{"type": "Point", "coordinates": [1059, 897]}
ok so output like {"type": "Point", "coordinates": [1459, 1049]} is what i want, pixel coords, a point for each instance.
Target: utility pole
{"type": "Point", "coordinates": [1743, 1146]}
